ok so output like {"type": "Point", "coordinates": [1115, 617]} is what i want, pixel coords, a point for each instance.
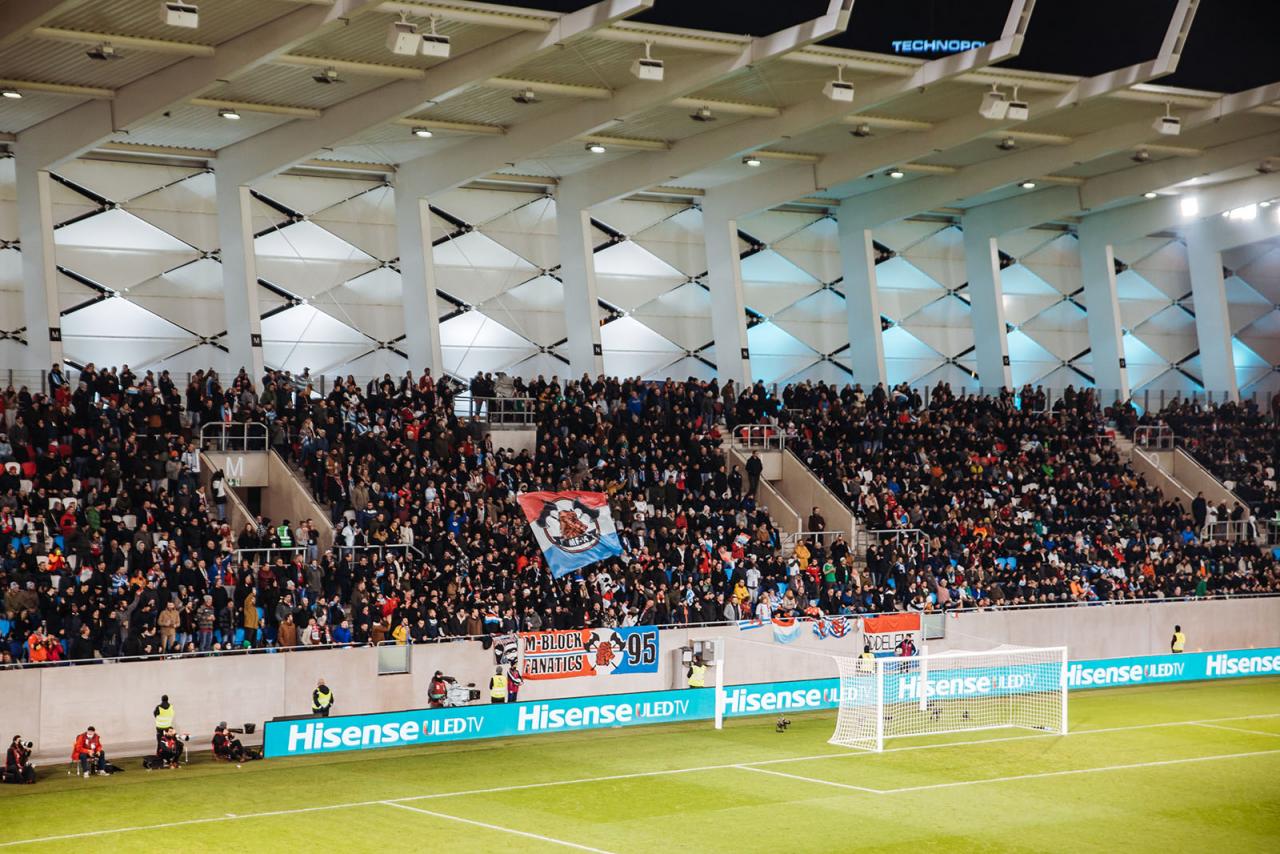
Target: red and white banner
{"type": "Point", "coordinates": [884, 633]}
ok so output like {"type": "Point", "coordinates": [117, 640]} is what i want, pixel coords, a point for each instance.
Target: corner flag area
{"type": "Point", "coordinates": [1189, 767]}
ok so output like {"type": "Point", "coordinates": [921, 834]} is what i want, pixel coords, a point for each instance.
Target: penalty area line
{"type": "Point", "coordinates": [487, 826]}
{"type": "Point", "coordinates": [811, 780]}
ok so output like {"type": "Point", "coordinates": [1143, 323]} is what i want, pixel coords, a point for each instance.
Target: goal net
{"type": "Point", "coordinates": [884, 698]}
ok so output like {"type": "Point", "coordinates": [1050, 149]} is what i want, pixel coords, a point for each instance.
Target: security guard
{"type": "Point", "coordinates": [498, 686]}
{"type": "Point", "coordinates": [697, 673]}
{"type": "Point", "coordinates": [284, 535]}
{"type": "Point", "coordinates": [867, 660]}
{"type": "Point", "coordinates": [1179, 642]}
{"type": "Point", "coordinates": [163, 715]}
{"type": "Point", "coordinates": [321, 700]}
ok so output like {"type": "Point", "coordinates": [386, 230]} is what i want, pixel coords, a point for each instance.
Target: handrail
{"type": "Point", "coordinates": [497, 410]}
{"type": "Point", "coordinates": [1154, 437]}
{"type": "Point", "coordinates": [380, 548]}
{"type": "Point", "coordinates": [224, 436]}
{"type": "Point", "coordinates": [758, 437]}
{"type": "Point", "coordinates": [268, 552]}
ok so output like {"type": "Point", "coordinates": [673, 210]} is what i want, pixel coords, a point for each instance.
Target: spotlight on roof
{"type": "Point", "coordinates": [596, 148]}
{"type": "Point", "coordinates": [229, 113]}
{"type": "Point", "coordinates": [1168, 124]}
{"type": "Point", "coordinates": [994, 105]}
{"type": "Point", "coordinates": [403, 38]}
{"type": "Point", "coordinates": [1189, 206]}
{"type": "Point", "coordinates": [646, 67]}
{"type": "Point", "coordinates": [1150, 194]}
{"type": "Point", "coordinates": [14, 94]}
{"type": "Point", "coordinates": [1008, 143]}
{"type": "Point", "coordinates": [1265, 204]}
{"type": "Point", "coordinates": [1028, 185]}
{"type": "Point", "coordinates": [752, 161]}
{"type": "Point", "coordinates": [186, 15]}
{"type": "Point", "coordinates": [434, 44]}
{"type": "Point", "coordinates": [525, 96]}
{"type": "Point", "coordinates": [1019, 111]}
{"type": "Point", "coordinates": [1140, 156]}
{"type": "Point", "coordinates": [896, 173]}
{"type": "Point", "coordinates": [423, 133]}
{"type": "Point", "coordinates": [703, 114]}
{"type": "Point", "coordinates": [1266, 167]}
{"type": "Point", "coordinates": [102, 52]}
{"type": "Point", "coordinates": [862, 129]}
{"type": "Point", "coordinates": [838, 89]}
{"type": "Point", "coordinates": [327, 76]}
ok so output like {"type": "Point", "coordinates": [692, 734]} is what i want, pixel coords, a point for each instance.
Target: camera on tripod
{"type": "Point", "coordinates": [782, 724]}
{"type": "Point", "coordinates": [29, 745]}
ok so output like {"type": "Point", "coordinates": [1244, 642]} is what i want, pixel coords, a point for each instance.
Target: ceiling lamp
{"type": "Point", "coordinates": [434, 44]}
{"type": "Point", "coordinates": [327, 76]}
{"type": "Point", "coordinates": [422, 133]}
{"type": "Point", "coordinates": [1150, 194]}
{"type": "Point", "coordinates": [1028, 185]}
{"type": "Point", "coordinates": [752, 161]}
{"type": "Point", "coordinates": [10, 93]}
{"type": "Point", "coordinates": [838, 89]}
{"type": "Point", "coordinates": [1019, 111]}
{"type": "Point", "coordinates": [703, 114]}
{"type": "Point", "coordinates": [229, 113]}
{"type": "Point", "coordinates": [185, 15]}
{"type": "Point", "coordinates": [1008, 143]}
{"type": "Point", "coordinates": [994, 104]}
{"type": "Point", "coordinates": [596, 148]}
{"type": "Point", "coordinates": [403, 38]}
{"type": "Point", "coordinates": [1189, 206]}
{"type": "Point", "coordinates": [862, 129]}
{"type": "Point", "coordinates": [1168, 124]}
{"type": "Point", "coordinates": [1140, 156]}
{"type": "Point", "coordinates": [895, 173]}
{"type": "Point", "coordinates": [525, 96]}
{"type": "Point", "coordinates": [102, 52]}
{"type": "Point", "coordinates": [646, 67]}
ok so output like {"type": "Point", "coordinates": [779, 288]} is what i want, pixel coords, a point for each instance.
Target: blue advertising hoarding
{"type": "Point", "coordinates": [429, 726]}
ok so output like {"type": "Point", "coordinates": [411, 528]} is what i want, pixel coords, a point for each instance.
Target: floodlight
{"type": "Point", "coordinates": [703, 114]}
{"type": "Point", "coordinates": [423, 133]}
{"type": "Point", "coordinates": [228, 113]}
{"type": "Point", "coordinates": [102, 52]}
{"type": "Point", "coordinates": [1168, 124]}
{"type": "Point", "coordinates": [1008, 143]}
{"type": "Point", "coordinates": [752, 161]}
{"type": "Point", "coordinates": [10, 93]}
{"type": "Point", "coordinates": [895, 174]}
{"type": "Point", "coordinates": [525, 96]}
{"type": "Point", "coordinates": [1150, 194]}
{"type": "Point", "coordinates": [862, 129]}
{"type": "Point", "coordinates": [1140, 156]}
{"type": "Point", "coordinates": [646, 67]}
{"type": "Point", "coordinates": [994, 105]}
{"type": "Point", "coordinates": [186, 15]}
{"type": "Point", "coordinates": [1019, 111]}
{"type": "Point", "coordinates": [838, 89]}
{"type": "Point", "coordinates": [327, 76]}
{"type": "Point", "coordinates": [596, 148]}
{"type": "Point", "coordinates": [1028, 185]}
{"type": "Point", "coordinates": [1189, 206]}
{"type": "Point", "coordinates": [403, 38]}
{"type": "Point", "coordinates": [434, 44]}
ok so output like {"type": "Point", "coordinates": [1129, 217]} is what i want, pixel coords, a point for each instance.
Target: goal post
{"type": "Point", "coordinates": [882, 698]}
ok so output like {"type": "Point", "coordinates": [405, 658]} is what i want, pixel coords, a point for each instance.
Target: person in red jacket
{"type": "Point", "coordinates": [88, 752]}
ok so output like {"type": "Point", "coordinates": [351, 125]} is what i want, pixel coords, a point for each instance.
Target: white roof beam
{"type": "Point", "coordinates": [1223, 233]}
{"type": "Point", "coordinates": [434, 173]}
{"type": "Point", "coordinates": [781, 186]}
{"type": "Point", "coordinates": [500, 17]}
{"type": "Point", "coordinates": [602, 183]}
{"type": "Point", "coordinates": [19, 18]}
{"type": "Point", "coordinates": [281, 147]}
{"type": "Point", "coordinates": [85, 126]}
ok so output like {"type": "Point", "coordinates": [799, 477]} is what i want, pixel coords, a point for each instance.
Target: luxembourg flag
{"type": "Point", "coordinates": [573, 529]}
{"type": "Point", "coordinates": [743, 625]}
{"type": "Point", "coordinates": [785, 629]}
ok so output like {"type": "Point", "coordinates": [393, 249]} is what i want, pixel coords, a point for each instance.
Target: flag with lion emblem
{"type": "Point", "coordinates": [573, 529]}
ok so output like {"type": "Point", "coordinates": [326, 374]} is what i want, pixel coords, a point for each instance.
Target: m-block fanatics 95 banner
{"type": "Point", "coordinates": [573, 529]}
{"type": "Point", "coordinates": [590, 652]}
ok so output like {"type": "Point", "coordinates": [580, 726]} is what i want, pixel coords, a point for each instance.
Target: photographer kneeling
{"type": "Point", "coordinates": [169, 753]}
{"type": "Point", "coordinates": [227, 746]}
{"type": "Point", "coordinates": [17, 764]}
{"type": "Point", "coordinates": [89, 753]}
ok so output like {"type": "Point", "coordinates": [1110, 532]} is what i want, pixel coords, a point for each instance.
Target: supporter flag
{"type": "Point", "coordinates": [885, 632]}
{"type": "Point", "coordinates": [831, 627]}
{"type": "Point", "coordinates": [743, 625]}
{"type": "Point", "coordinates": [785, 629]}
{"type": "Point", "coordinates": [573, 529]}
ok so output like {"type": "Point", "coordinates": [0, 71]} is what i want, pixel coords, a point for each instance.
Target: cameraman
{"type": "Point", "coordinates": [171, 749]}
{"type": "Point", "coordinates": [227, 746]}
{"type": "Point", "coordinates": [88, 752]}
{"type": "Point", "coordinates": [17, 768]}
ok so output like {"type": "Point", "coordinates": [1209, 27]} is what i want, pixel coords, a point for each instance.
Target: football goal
{"type": "Point", "coordinates": [882, 698]}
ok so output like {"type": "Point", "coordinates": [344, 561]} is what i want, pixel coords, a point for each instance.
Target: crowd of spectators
{"type": "Point", "coordinates": [115, 546]}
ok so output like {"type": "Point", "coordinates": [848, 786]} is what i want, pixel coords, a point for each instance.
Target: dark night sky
{"type": "Point", "coordinates": [1234, 44]}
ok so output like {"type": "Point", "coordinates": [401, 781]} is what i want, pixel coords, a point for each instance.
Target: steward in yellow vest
{"type": "Point", "coordinates": [321, 700]}
{"type": "Point", "coordinates": [163, 715]}
{"type": "Point", "coordinates": [1179, 642]}
{"type": "Point", "coordinates": [498, 686]}
{"type": "Point", "coordinates": [697, 673]}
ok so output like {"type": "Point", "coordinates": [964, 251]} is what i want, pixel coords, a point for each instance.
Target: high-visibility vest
{"type": "Point", "coordinates": [323, 699]}
{"type": "Point", "coordinates": [498, 686]}
{"type": "Point", "coordinates": [282, 534]}
{"type": "Point", "coordinates": [697, 676]}
{"type": "Point", "coordinates": [164, 717]}
{"type": "Point", "coordinates": [1179, 641]}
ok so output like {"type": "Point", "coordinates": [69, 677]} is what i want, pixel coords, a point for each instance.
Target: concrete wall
{"type": "Point", "coordinates": [52, 705]}
{"type": "Point", "coordinates": [804, 491]}
{"type": "Point", "coordinates": [1157, 468]}
{"type": "Point", "coordinates": [288, 498]}
{"type": "Point", "coordinates": [785, 517]}
{"type": "Point", "coordinates": [1196, 478]}
{"type": "Point", "coordinates": [516, 437]}
{"type": "Point", "coordinates": [241, 468]}
{"type": "Point", "coordinates": [237, 514]}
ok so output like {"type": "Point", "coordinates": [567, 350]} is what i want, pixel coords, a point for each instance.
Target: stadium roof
{"type": "Point", "coordinates": [530, 86]}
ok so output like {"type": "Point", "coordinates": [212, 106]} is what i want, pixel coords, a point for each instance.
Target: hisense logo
{"type": "Point", "coordinates": [965, 686]}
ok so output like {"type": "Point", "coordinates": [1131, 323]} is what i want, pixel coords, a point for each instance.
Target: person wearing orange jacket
{"type": "Point", "coordinates": [88, 752]}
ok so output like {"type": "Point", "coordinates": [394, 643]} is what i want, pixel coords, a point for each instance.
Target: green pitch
{"type": "Point", "coordinates": [1192, 768]}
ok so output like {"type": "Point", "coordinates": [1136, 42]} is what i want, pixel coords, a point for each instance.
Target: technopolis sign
{"type": "Point", "coordinates": [430, 726]}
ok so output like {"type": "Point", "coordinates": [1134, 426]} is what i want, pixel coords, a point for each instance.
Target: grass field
{"type": "Point", "coordinates": [1186, 768]}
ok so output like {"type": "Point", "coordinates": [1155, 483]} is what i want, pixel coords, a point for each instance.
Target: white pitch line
{"type": "Point", "coordinates": [1240, 729]}
{"type": "Point", "coordinates": [525, 834]}
{"type": "Point", "coordinates": [608, 778]}
{"type": "Point", "coordinates": [1016, 777]}
{"type": "Point", "coordinates": [811, 779]}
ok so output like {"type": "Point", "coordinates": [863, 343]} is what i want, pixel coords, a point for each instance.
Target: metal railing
{"type": "Point", "coordinates": [1155, 437]}
{"type": "Point", "coordinates": [1231, 531]}
{"type": "Point", "coordinates": [497, 410]}
{"type": "Point", "coordinates": [378, 551]}
{"type": "Point", "coordinates": [757, 437]}
{"type": "Point", "coordinates": [880, 536]}
{"type": "Point", "coordinates": [230, 436]}
{"type": "Point", "coordinates": [256, 557]}
{"type": "Point", "coordinates": [823, 539]}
